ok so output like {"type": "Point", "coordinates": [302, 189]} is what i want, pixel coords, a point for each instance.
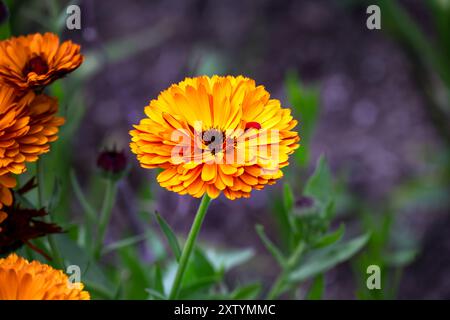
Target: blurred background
{"type": "Point", "coordinates": [379, 110]}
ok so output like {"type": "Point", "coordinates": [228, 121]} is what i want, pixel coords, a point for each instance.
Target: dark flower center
{"type": "Point", "coordinates": [37, 65]}
{"type": "Point", "coordinates": [213, 138]}
{"type": "Point", "coordinates": [217, 141]}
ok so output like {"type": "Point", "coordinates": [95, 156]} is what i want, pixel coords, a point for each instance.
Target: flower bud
{"type": "Point", "coordinates": [112, 161]}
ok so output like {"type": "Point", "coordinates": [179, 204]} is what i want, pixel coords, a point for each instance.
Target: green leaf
{"type": "Point", "coordinates": [137, 274]}
{"type": "Point", "coordinates": [124, 243]}
{"type": "Point", "coordinates": [156, 245]}
{"type": "Point", "coordinates": [156, 281]}
{"type": "Point", "coordinates": [317, 288]}
{"type": "Point", "coordinates": [288, 197]}
{"type": "Point", "coordinates": [200, 284]}
{"type": "Point", "coordinates": [328, 211]}
{"type": "Point", "coordinates": [155, 295]}
{"type": "Point", "coordinates": [330, 238]}
{"type": "Point", "coordinates": [55, 196]}
{"type": "Point", "coordinates": [296, 255]}
{"type": "Point", "coordinates": [92, 275]}
{"type": "Point", "coordinates": [23, 200]}
{"type": "Point", "coordinates": [226, 260]}
{"type": "Point", "coordinates": [119, 291]}
{"type": "Point", "coordinates": [284, 221]}
{"type": "Point", "coordinates": [320, 185]}
{"type": "Point", "coordinates": [87, 207]}
{"type": "Point", "coordinates": [170, 235]}
{"type": "Point", "coordinates": [157, 278]}
{"type": "Point", "coordinates": [247, 292]}
{"type": "Point", "coordinates": [400, 258]}
{"type": "Point", "coordinates": [200, 266]}
{"type": "Point", "coordinates": [305, 102]}
{"type": "Point", "coordinates": [270, 246]}
{"type": "Point", "coordinates": [320, 261]}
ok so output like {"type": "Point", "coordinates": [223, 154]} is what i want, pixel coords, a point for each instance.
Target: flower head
{"type": "Point", "coordinates": [7, 182]}
{"type": "Point", "coordinates": [23, 280]}
{"type": "Point", "coordinates": [36, 60]}
{"type": "Point", "coordinates": [215, 134]}
{"type": "Point", "coordinates": [27, 126]}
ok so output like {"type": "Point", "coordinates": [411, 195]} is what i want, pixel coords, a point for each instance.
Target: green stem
{"type": "Point", "coordinates": [395, 282]}
{"type": "Point", "coordinates": [190, 242]}
{"type": "Point", "coordinates": [89, 211]}
{"type": "Point", "coordinates": [105, 214]}
{"type": "Point", "coordinates": [277, 287]}
{"type": "Point", "coordinates": [53, 8]}
{"type": "Point", "coordinates": [279, 284]}
{"type": "Point", "coordinates": [40, 183]}
{"type": "Point", "coordinates": [51, 240]}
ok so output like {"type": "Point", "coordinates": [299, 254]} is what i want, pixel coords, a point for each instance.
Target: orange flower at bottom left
{"type": "Point", "coordinates": [23, 280]}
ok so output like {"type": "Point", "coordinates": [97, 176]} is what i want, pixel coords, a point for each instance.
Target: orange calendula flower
{"type": "Point", "coordinates": [215, 134]}
{"type": "Point", "coordinates": [44, 126]}
{"type": "Point", "coordinates": [27, 127]}
{"type": "Point", "coordinates": [23, 280]}
{"type": "Point", "coordinates": [36, 60]}
{"type": "Point", "coordinates": [7, 181]}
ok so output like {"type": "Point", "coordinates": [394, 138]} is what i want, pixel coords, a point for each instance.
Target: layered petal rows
{"type": "Point", "coordinates": [36, 60]}
{"type": "Point", "coordinates": [215, 134]}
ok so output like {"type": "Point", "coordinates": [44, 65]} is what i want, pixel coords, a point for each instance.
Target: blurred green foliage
{"type": "Point", "coordinates": [313, 249]}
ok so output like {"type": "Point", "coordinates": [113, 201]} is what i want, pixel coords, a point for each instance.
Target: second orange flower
{"type": "Point", "coordinates": [34, 61]}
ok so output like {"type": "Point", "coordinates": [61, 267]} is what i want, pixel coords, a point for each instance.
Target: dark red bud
{"type": "Point", "coordinates": [112, 161]}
